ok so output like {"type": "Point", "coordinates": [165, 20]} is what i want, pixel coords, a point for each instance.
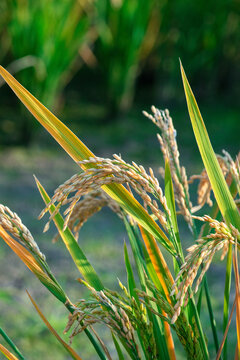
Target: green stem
{"type": "Point", "coordinates": [226, 296]}
{"type": "Point", "coordinates": [10, 343]}
{"type": "Point", "coordinates": [199, 326]}
{"type": "Point", "coordinates": [210, 310]}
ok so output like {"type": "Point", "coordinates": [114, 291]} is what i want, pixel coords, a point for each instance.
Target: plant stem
{"type": "Point", "coordinates": [212, 319]}
{"type": "Point", "coordinates": [226, 296]}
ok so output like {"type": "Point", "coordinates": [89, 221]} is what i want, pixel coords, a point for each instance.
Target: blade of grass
{"type": "Point", "coordinates": [220, 188]}
{"type": "Point", "coordinates": [10, 343]}
{"type": "Point", "coordinates": [235, 265]}
{"type": "Point", "coordinates": [78, 151]}
{"type": "Point", "coordinates": [158, 261]}
{"type": "Point", "coordinates": [130, 276]}
{"type": "Point", "coordinates": [70, 350]}
{"type": "Point", "coordinates": [7, 353]}
{"type": "Point", "coordinates": [118, 348]}
{"type": "Point", "coordinates": [211, 315]}
{"type": "Point", "coordinates": [132, 289]}
{"type": "Point", "coordinates": [79, 258]}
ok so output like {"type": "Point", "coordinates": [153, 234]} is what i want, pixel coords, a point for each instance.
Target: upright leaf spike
{"type": "Point", "coordinates": [220, 188]}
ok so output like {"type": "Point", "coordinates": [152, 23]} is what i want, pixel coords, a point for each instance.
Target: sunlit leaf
{"type": "Point", "coordinates": [220, 188]}
{"type": "Point", "coordinates": [219, 185]}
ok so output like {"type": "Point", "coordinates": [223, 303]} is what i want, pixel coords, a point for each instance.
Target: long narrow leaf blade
{"type": "Point", "coordinates": [78, 151]}
{"type": "Point", "coordinates": [11, 344]}
{"type": "Point", "coordinates": [7, 353]}
{"type": "Point", "coordinates": [165, 278]}
{"type": "Point", "coordinates": [158, 261]}
{"type": "Point", "coordinates": [118, 348]}
{"type": "Point", "coordinates": [74, 249]}
{"type": "Point", "coordinates": [220, 188]}
{"type": "Point", "coordinates": [130, 276]}
{"type": "Point", "coordinates": [70, 350]}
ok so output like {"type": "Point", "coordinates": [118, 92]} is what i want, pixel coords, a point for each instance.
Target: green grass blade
{"type": "Point", "coordinates": [74, 249]}
{"type": "Point", "coordinates": [130, 276]}
{"type": "Point", "coordinates": [78, 151]}
{"type": "Point", "coordinates": [211, 315]}
{"type": "Point", "coordinates": [220, 188]}
{"type": "Point", "coordinates": [10, 343]}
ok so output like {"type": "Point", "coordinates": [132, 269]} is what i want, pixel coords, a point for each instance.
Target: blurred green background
{"type": "Point", "coordinates": [97, 65]}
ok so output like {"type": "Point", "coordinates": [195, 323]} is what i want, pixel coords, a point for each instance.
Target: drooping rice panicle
{"type": "Point", "coordinates": [199, 254]}
{"type": "Point", "coordinates": [86, 207]}
{"type": "Point", "coordinates": [106, 171]}
{"type": "Point", "coordinates": [12, 223]}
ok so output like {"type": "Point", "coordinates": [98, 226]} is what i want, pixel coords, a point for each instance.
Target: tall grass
{"type": "Point", "coordinates": [156, 301]}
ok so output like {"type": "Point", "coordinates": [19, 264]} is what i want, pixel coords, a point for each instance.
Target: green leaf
{"type": "Point", "coordinates": [10, 343]}
{"type": "Point", "coordinates": [220, 188]}
{"type": "Point", "coordinates": [118, 348]}
{"type": "Point", "coordinates": [74, 249]}
{"type": "Point", "coordinates": [130, 276]}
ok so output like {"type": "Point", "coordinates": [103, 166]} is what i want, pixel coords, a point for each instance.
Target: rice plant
{"type": "Point", "coordinates": [160, 302]}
